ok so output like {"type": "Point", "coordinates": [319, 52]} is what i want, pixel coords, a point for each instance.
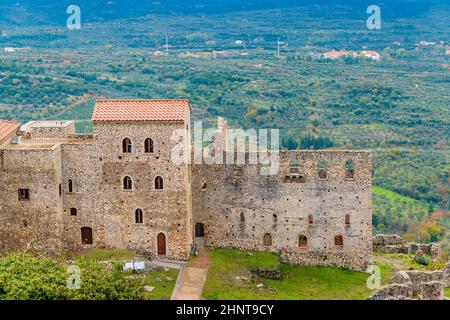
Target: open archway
{"type": "Point", "coordinates": [86, 235]}
{"type": "Point", "coordinates": [199, 230]}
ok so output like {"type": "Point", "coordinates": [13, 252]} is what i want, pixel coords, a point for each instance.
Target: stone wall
{"type": "Point", "coordinates": [239, 206]}
{"type": "Point", "coordinates": [393, 243]}
{"type": "Point", "coordinates": [51, 156]}
{"type": "Point", "coordinates": [413, 284]}
{"type": "Point", "coordinates": [37, 223]}
{"type": "Point", "coordinates": [166, 211]}
{"type": "Point", "coordinates": [48, 129]}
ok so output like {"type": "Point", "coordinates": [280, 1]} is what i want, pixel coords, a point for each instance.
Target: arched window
{"type": "Point", "coordinates": [204, 186]}
{"type": "Point", "coordinates": [293, 166]}
{"type": "Point", "coordinates": [274, 218]}
{"type": "Point", "coordinates": [338, 240]}
{"type": "Point", "coordinates": [310, 220]}
{"type": "Point", "coordinates": [159, 183]}
{"type": "Point", "coordinates": [267, 240]}
{"type": "Point", "coordinates": [139, 216]}
{"type": "Point", "coordinates": [149, 146]}
{"type": "Point", "coordinates": [242, 217]}
{"type": "Point", "coordinates": [126, 146]}
{"type": "Point", "coordinates": [322, 170]}
{"type": "Point", "coordinates": [349, 169]}
{"type": "Point", "coordinates": [70, 185]}
{"type": "Point", "coordinates": [127, 183]}
{"type": "Point", "coordinates": [347, 220]}
{"type": "Point", "coordinates": [302, 241]}
{"type": "Point", "coordinates": [73, 211]}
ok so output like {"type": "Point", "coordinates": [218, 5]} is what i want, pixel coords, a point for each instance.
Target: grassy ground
{"type": "Point", "coordinates": [107, 254]}
{"type": "Point", "coordinates": [447, 292]}
{"type": "Point", "coordinates": [229, 278]}
{"type": "Point", "coordinates": [163, 279]}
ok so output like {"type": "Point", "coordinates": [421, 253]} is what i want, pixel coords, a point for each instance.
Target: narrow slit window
{"type": "Point", "coordinates": [159, 183]}
{"type": "Point", "coordinates": [149, 146]}
{"type": "Point", "coordinates": [127, 183]}
{"type": "Point", "coordinates": [24, 194]}
{"type": "Point", "coordinates": [139, 217]}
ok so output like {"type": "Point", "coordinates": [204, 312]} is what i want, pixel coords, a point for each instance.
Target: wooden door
{"type": "Point", "coordinates": [86, 235]}
{"type": "Point", "coordinates": [161, 244]}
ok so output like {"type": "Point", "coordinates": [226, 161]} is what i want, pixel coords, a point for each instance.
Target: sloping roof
{"type": "Point", "coordinates": [141, 110]}
{"type": "Point", "coordinates": [6, 128]}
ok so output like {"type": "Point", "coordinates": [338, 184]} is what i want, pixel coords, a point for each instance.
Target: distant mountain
{"type": "Point", "coordinates": [53, 12]}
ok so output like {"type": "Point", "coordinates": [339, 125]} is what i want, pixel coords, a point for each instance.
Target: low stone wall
{"type": "Point", "coordinates": [418, 278]}
{"type": "Point", "coordinates": [446, 271]}
{"type": "Point", "coordinates": [393, 243]}
{"type": "Point", "coordinates": [432, 290]}
{"type": "Point", "coordinates": [274, 273]}
{"type": "Point", "coordinates": [395, 291]}
{"type": "Point", "coordinates": [413, 284]}
{"type": "Point", "coordinates": [387, 239]}
{"type": "Point", "coordinates": [389, 243]}
{"type": "Point", "coordinates": [330, 258]}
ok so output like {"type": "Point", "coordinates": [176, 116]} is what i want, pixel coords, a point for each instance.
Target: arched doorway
{"type": "Point", "coordinates": [86, 235]}
{"type": "Point", "coordinates": [199, 230]}
{"type": "Point", "coordinates": [161, 241]}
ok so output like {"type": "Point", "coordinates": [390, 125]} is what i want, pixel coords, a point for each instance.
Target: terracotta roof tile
{"type": "Point", "coordinates": [141, 110]}
{"type": "Point", "coordinates": [6, 128]}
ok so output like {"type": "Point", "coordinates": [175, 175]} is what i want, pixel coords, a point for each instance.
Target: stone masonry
{"type": "Point", "coordinates": [66, 191]}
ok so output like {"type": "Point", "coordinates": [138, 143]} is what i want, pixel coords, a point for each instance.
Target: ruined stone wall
{"type": "Point", "coordinates": [49, 129]}
{"type": "Point", "coordinates": [413, 284]}
{"type": "Point", "coordinates": [280, 205]}
{"type": "Point", "coordinates": [37, 223]}
{"type": "Point", "coordinates": [166, 211]}
{"type": "Point", "coordinates": [237, 205]}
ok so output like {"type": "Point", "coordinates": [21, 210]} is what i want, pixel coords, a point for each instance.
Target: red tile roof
{"type": "Point", "coordinates": [141, 110]}
{"type": "Point", "coordinates": [6, 128]}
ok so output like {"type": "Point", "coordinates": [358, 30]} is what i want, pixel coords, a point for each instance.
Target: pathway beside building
{"type": "Point", "coordinates": [194, 276]}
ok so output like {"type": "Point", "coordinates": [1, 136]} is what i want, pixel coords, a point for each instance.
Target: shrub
{"type": "Point", "coordinates": [24, 277]}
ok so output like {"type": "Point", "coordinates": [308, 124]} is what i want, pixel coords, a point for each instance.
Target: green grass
{"type": "Point", "coordinates": [107, 254]}
{"type": "Point", "coordinates": [163, 286]}
{"type": "Point", "coordinates": [229, 278]}
{"type": "Point", "coordinates": [390, 262]}
{"type": "Point", "coordinates": [447, 292]}
{"type": "Point", "coordinates": [158, 279]}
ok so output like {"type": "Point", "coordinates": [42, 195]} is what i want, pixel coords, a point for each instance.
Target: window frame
{"type": "Point", "coordinates": [26, 192]}
{"type": "Point", "coordinates": [125, 184]}
{"type": "Point", "coordinates": [158, 183]}
{"type": "Point", "coordinates": [138, 216]}
{"type": "Point", "coordinates": [149, 146]}
{"type": "Point", "coordinates": [127, 146]}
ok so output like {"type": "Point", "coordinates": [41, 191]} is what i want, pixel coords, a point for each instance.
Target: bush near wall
{"type": "Point", "coordinates": [24, 277]}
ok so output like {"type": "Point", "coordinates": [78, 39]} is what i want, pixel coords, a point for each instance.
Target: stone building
{"type": "Point", "coordinates": [119, 188]}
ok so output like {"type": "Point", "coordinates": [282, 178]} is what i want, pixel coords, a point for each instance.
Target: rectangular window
{"type": "Point", "coordinates": [24, 194]}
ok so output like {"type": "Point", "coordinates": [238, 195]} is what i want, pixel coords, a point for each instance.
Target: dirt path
{"type": "Point", "coordinates": [194, 276]}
